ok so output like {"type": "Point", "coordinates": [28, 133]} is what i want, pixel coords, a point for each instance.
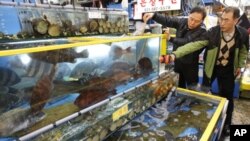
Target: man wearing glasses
{"type": "Point", "coordinates": [187, 30]}
{"type": "Point", "coordinates": [225, 55]}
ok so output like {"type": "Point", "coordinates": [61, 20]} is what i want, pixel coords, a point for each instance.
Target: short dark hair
{"type": "Point", "coordinates": [200, 10]}
{"type": "Point", "coordinates": [234, 10]}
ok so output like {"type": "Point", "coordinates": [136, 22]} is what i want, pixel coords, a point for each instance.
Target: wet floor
{"type": "Point", "coordinates": [241, 114]}
{"type": "Point", "coordinates": [241, 111]}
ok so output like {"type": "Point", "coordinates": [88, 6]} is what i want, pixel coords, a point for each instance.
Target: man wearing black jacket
{"type": "Point", "coordinates": [187, 30]}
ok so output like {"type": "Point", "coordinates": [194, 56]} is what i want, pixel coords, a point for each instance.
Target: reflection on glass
{"type": "Point", "coordinates": [37, 89]}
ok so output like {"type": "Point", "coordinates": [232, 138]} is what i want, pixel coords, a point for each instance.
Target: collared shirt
{"type": "Point", "coordinates": [228, 36]}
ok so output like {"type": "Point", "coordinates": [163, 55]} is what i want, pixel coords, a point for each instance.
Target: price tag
{"type": "Point", "coordinates": [95, 15]}
{"type": "Point", "coordinates": [120, 112]}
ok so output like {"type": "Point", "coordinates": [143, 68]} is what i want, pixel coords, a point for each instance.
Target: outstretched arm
{"type": "Point", "coordinates": [187, 49]}
{"type": "Point", "coordinates": [184, 40]}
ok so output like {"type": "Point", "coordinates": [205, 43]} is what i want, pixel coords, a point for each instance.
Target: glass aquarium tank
{"type": "Point", "coordinates": [181, 116]}
{"type": "Point", "coordinates": [78, 81]}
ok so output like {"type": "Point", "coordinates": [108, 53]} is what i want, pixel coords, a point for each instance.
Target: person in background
{"type": "Point", "coordinates": [187, 30]}
{"type": "Point", "coordinates": [225, 55]}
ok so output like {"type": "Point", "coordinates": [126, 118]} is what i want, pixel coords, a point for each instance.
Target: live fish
{"type": "Point", "coordinates": [42, 91]}
{"type": "Point", "coordinates": [119, 71]}
{"type": "Point", "coordinates": [57, 56]}
{"type": "Point", "coordinates": [18, 119]}
{"type": "Point", "coordinates": [121, 77]}
{"type": "Point", "coordinates": [38, 68]}
{"type": "Point", "coordinates": [85, 67]}
{"type": "Point", "coordinates": [90, 97]}
{"type": "Point", "coordinates": [178, 102]}
{"type": "Point", "coordinates": [8, 77]}
{"type": "Point", "coordinates": [63, 71]}
{"type": "Point", "coordinates": [118, 52]}
{"type": "Point", "coordinates": [118, 66]}
{"type": "Point", "coordinates": [98, 90]}
{"type": "Point", "coordinates": [145, 66]}
{"type": "Point", "coordinates": [104, 83]}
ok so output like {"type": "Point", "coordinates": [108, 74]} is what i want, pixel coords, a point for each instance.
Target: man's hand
{"type": "Point", "coordinates": [167, 59]}
{"type": "Point", "coordinates": [166, 31]}
{"type": "Point", "coordinates": [147, 16]}
{"type": "Point", "coordinates": [237, 72]}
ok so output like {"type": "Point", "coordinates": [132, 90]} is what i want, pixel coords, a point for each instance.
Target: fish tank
{"type": "Point", "coordinates": [79, 81]}
{"type": "Point", "coordinates": [182, 115]}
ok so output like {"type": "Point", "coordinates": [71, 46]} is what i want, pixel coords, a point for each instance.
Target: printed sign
{"type": "Point", "coordinates": [120, 112]}
{"type": "Point", "coordinates": [95, 15]}
{"type": "Point", "coordinates": [158, 5]}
